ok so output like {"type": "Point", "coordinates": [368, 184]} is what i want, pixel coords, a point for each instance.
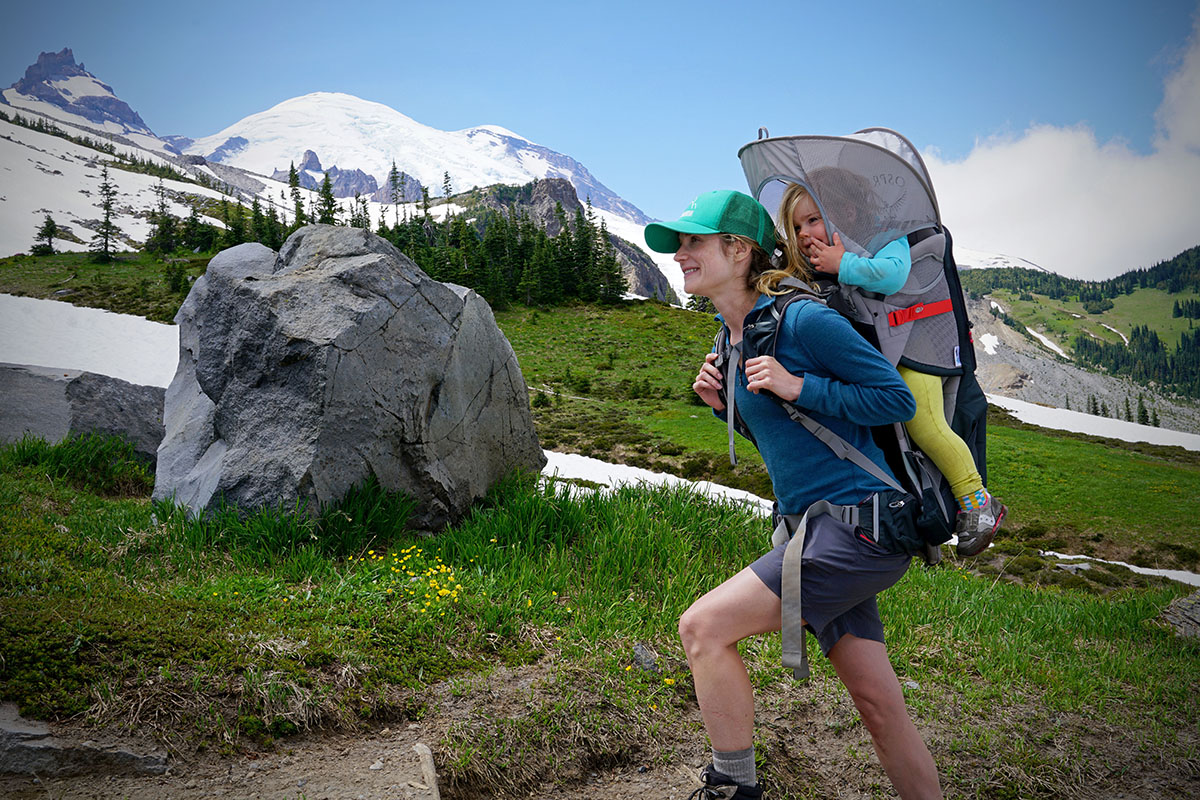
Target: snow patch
{"type": "Point", "coordinates": [1064, 419]}
{"type": "Point", "coordinates": [1124, 338]}
{"type": "Point", "coordinates": [1049, 344]}
{"type": "Point", "coordinates": [990, 342]}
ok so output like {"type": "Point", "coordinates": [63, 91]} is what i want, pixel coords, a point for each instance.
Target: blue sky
{"type": "Point", "coordinates": [655, 98]}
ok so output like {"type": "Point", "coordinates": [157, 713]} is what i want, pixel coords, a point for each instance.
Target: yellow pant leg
{"type": "Point", "coordinates": [930, 432]}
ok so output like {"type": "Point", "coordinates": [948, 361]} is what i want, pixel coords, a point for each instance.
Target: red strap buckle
{"type": "Point", "coordinates": [903, 316]}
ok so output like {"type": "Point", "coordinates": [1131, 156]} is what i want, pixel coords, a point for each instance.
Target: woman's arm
{"type": "Point", "coordinates": [854, 382]}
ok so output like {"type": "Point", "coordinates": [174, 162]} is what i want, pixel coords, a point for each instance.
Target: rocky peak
{"type": "Point", "coordinates": [309, 161]}
{"type": "Point", "coordinates": [49, 66]}
{"type": "Point", "coordinates": [95, 103]}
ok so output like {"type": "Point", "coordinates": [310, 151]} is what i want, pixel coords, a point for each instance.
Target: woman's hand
{"type": "Point", "coordinates": [764, 372]}
{"type": "Point", "coordinates": [708, 383]}
{"type": "Point", "coordinates": [826, 258]}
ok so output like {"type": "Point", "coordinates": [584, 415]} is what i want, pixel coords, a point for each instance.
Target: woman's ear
{"type": "Point", "coordinates": [740, 249]}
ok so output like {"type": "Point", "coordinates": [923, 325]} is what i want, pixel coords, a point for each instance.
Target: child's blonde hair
{"type": "Point", "coordinates": [846, 195]}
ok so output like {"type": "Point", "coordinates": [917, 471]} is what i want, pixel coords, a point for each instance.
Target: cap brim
{"type": "Point", "coordinates": [663, 237]}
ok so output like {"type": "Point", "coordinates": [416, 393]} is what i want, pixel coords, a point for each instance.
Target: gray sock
{"type": "Point", "coordinates": [738, 765]}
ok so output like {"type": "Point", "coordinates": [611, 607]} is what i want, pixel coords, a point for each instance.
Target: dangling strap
{"type": "Point", "coordinates": [730, 377]}
{"type": "Point", "coordinates": [791, 629]}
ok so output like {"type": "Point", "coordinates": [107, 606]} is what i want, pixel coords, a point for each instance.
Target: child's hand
{"type": "Point", "coordinates": [708, 382]}
{"type": "Point", "coordinates": [826, 258]}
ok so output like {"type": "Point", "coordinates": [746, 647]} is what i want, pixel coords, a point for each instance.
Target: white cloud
{"type": "Point", "coordinates": [1079, 207]}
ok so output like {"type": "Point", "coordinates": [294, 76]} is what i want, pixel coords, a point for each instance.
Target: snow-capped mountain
{"type": "Point", "coordinates": [352, 133]}
{"type": "Point", "coordinates": [977, 259]}
{"type": "Point", "coordinates": [58, 88]}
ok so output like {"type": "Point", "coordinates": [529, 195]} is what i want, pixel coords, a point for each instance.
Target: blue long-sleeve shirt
{"type": "Point", "coordinates": [848, 386]}
{"type": "Point", "coordinates": [885, 272]}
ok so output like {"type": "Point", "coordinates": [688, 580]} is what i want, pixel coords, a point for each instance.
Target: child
{"type": "Point", "coordinates": [806, 244]}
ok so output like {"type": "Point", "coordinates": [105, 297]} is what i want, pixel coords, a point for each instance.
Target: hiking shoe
{"type": "Point", "coordinates": [716, 786]}
{"type": "Point", "coordinates": [976, 528]}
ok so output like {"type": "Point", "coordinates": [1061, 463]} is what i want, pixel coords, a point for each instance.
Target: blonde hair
{"type": "Point", "coordinates": [795, 262]}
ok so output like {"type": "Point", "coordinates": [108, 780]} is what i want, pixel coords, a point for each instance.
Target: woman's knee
{"type": "Point", "coordinates": [697, 630]}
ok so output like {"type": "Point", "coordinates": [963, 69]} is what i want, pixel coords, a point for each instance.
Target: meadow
{"type": "Point", "coordinates": [533, 615]}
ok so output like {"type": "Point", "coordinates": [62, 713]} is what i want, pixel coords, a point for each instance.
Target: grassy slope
{"type": "Point", "coordinates": [256, 636]}
{"type": "Point", "coordinates": [1063, 320]}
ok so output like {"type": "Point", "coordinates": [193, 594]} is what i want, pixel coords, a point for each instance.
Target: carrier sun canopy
{"type": "Point", "coordinates": [871, 187]}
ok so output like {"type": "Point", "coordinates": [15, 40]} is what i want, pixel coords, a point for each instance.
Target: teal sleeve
{"type": "Point", "coordinates": [885, 273]}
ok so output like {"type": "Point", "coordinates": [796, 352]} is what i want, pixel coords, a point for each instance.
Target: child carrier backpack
{"type": "Point", "coordinates": [872, 187]}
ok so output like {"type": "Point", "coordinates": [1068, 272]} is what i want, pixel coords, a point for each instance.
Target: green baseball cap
{"type": "Point", "coordinates": [722, 211]}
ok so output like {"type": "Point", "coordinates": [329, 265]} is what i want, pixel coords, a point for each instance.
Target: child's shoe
{"type": "Point", "coordinates": [717, 786]}
{"type": "Point", "coordinates": [976, 528]}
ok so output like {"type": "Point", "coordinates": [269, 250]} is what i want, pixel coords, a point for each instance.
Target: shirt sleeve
{"type": "Point", "coordinates": [884, 273]}
{"type": "Point", "coordinates": [860, 385]}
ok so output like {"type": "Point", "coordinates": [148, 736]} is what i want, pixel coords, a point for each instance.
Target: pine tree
{"type": "Point", "coordinates": [235, 224]}
{"type": "Point", "coordinates": [107, 231]}
{"type": "Point", "coordinates": [259, 230]}
{"type": "Point", "coordinates": [45, 238]}
{"type": "Point", "coordinates": [297, 199]}
{"type": "Point", "coordinates": [327, 207]}
{"type": "Point", "coordinates": [1154, 417]}
{"type": "Point", "coordinates": [446, 186]}
{"type": "Point", "coordinates": [163, 236]}
{"type": "Point", "coordinates": [396, 193]}
{"type": "Point", "coordinates": [1143, 415]}
{"type": "Point", "coordinates": [195, 235]}
{"type": "Point", "coordinates": [1104, 408]}
{"type": "Point", "coordinates": [1128, 410]}
{"type": "Point", "coordinates": [608, 269]}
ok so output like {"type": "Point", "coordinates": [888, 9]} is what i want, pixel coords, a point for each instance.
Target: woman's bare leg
{"type": "Point", "coordinates": [863, 666]}
{"type": "Point", "coordinates": [710, 630]}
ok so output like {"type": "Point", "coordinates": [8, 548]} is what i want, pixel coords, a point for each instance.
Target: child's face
{"type": "Point", "coordinates": [807, 222]}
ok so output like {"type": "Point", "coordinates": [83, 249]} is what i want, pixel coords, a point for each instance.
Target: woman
{"type": "Point", "coordinates": [722, 243]}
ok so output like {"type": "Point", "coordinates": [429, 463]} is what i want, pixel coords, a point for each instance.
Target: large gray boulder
{"type": "Point", "coordinates": [55, 403]}
{"type": "Point", "coordinates": [302, 374]}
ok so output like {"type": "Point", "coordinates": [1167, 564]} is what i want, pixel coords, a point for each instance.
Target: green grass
{"type": "Point", "coordinates": [132, 283]}
{"type": "Point", "coordinates": [1029, 681]}
{"type": "Point", "coordinates": [1062, 320]}
{"type": "Point", "coordinates": [282, 621]}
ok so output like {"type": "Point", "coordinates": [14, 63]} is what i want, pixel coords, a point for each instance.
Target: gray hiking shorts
{"type": "Point", "coordinates": [841, 574]}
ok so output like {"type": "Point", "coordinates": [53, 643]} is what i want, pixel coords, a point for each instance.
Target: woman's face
{"type": "Point", "coordinates": [808, 223]}
{"type": "Point", "coordinates": [706, 265]}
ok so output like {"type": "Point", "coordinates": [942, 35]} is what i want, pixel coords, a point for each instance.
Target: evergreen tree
{"type": "Point", "coordinates": [395, 192]}
{"type": "Point", "coordinates": [235, 224]}
{"type": "Point", "coordinates": [1068, 397]}
{"type": "Point", "coordinates": [45, 238]}
{"type": "Point", "coordinates": [1143, 415]}
{"type": "Point", "coordinates": [275, 229]}
{"type": "Point", "coordinates": [107, 231]}
{"type": "Point", "coordinates": [1154, 417]}
{"type": "Point", "coordinates": [163, 236]}
{"type": "Point", "coordinates": [608, 269]}
{"type": "Point", "coordinates": [446, 186]}
{"type": "Point", "coordinates": [327, 207]}
{"type": "Point", "coordinates": [425, 201]}
{"type": "Point", "coordinates": [196, 235]}
{"type": "Point", "coordinates": [1104, 408]}
{"type": "Point", "coordinates": [297, 199]}
{"type": "Point", "coordinates": [259, 230]}
{"type": "Point", "coordinates": [1128, 410]}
